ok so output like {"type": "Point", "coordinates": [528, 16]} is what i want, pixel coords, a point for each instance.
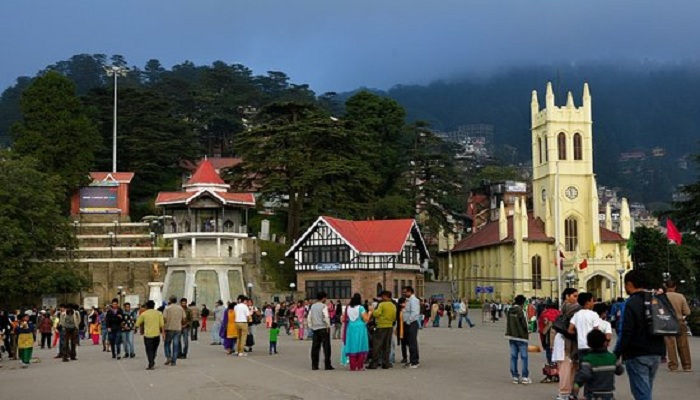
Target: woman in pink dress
{"type": "Point", "coordinates": [299, 314]}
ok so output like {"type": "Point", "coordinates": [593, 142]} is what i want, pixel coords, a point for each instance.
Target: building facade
{"type": "Point", "coordinates": [343, 257]}
{"type": "Point", "coordinates": [560, 241]}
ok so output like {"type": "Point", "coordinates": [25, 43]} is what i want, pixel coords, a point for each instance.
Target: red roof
{"type": "Point", "coordinates": [187, 197]}
{"type": "Point", "coordinates": [386, 236]}
{"type": "Point", "coordinates": [489, 235]}
{"type": "Point", "coordinates": [205, 174]}
{"type": "Point", "coordinates": [218, 163]}
{"type": "Point", "coordinates": [607, 235]}
{"type": "Point", "coordinates": [121, 177]}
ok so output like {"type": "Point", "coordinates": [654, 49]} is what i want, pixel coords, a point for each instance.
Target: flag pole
{"type": "Point", "coordinates": [556, 232]}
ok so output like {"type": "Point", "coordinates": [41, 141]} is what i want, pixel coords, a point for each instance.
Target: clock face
{"type": "Point", "coordinates": [571, 192]}
{"type": "Point", "coordinates": [544, 194]}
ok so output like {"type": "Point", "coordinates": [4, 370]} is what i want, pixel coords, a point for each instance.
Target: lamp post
{"type": "Point", "coordinates": [570, 279]}
{"type": "Point", "coordinates": [76, 224]}
{"type": "Point", "coordinates": [194, 299]}
{"type": "Point", "coordinates": [621, 271]}
{"type": "Point", "coordinates": [120, 292]}
{"type": "Point", "coordinates": [292, 289]}
{"type": "Point", "coordinates": [115, 71]}
{"type": "Point", "coordinates": [153, 243]}
{"type": "Point", "coordinates": [111, 245]}
{"type": "Point", "coordinates": [250, 289]}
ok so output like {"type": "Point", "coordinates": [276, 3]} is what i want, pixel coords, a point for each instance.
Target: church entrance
{"type": "Point", "coordinates": [599, 286]}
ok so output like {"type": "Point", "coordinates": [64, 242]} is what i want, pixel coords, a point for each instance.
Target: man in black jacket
{"type": "Point", "coordinates": [115, 316]}
{"type": "Point", "coordinates": [641, 350]}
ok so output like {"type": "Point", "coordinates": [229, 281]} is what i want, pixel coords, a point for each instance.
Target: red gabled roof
{"type": "Point", "coordinates": [121, 177]}
{"type": "Point", "coordinates": [218, 163]}
{"type": "Point", "coordinates": [488, 235]}
{"type": "Point", "coordinates": [607, 235]}
{"type": "Point", "coordinates": [186, 197]}
{"type": "Point", "coordinates": [386, 236]}
{"type": "Point", "coordinates": [205, 174]}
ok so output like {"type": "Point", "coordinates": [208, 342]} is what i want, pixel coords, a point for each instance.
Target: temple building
{"type": "Point", "coordinates": [343, 257]}
{"type": "Point", "coordinates": [558, 241]}
{"type": "Point", "coordinates": [208, 227]}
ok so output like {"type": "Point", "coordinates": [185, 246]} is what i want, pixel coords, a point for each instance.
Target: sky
{"type": "Point", "coordinates": [336, 45]}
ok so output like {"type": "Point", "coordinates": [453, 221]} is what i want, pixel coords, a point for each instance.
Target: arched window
{"type": "Point", "coordinates": [546, 150]}
{"type": "Point", "coordinates": [539, 148]}
{"type": "Point", "coordinates": [578, 147]}
{"type": "Point", "coordinates": [537, 272]}
{"type": "Point", "coordinates": [571, 233]}
{"type": "Point", "coordinates": [380, 289]}
{"type": "Point", "coordinates": [561, 143]}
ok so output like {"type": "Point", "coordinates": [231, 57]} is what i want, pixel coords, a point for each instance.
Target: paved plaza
{"type": "Point", "coordinates": [455, 364]}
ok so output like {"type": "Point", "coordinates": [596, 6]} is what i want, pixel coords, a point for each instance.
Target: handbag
{"type": "Point", "coordinates": [561, 325]}
{"type": "Point", "coordinates": [250, 340]}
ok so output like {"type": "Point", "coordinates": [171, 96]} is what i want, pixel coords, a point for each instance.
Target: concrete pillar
{"type": "Point", "coordinates": [176, 249]}
{"type": "Point", "coordinates": [218, 247]}
{"type": "Point", "coordinates": [194, 248]}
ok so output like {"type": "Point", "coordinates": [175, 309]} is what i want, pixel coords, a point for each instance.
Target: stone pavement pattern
{"type": "Point", "coordinates": [455, 364]}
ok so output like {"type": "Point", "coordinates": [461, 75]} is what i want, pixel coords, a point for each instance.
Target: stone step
{"type": "Point", "coordinates": [105, 228]}
{"type": "Point", "coordinates": [121, 252]}
{"type": "Point", "coordinates": [126, 240]}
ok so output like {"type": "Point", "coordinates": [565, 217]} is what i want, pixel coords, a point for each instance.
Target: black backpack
{"type": "Point", "coordinates": [660, 315]}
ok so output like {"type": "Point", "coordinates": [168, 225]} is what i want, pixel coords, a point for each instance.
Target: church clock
{"type": "Point", "coordinates": [571, 192]}
{"type": "Point", "coordinates": [544, 194]}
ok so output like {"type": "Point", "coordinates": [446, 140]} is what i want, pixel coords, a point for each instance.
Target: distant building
{"type": "Point", "coordinates": [343, 257]}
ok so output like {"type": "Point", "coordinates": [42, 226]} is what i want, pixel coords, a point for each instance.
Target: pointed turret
{"type": "Point", "coordinates": [595, 210]}
{"type": "Point", "coordinates": [517, 225]}
{"type": "Point", "coordinates": [608, 216]}
{"type": "Point", "coordinates": [625, 220]}
{"type": "Point", "coordinates": [587, 101]}
{"type": "Point", "coordinates": [206, 177]}
{"type": "Point", "coordinates": [502, 223]}
{"type": "Point", "coordinates": [570, 100]}
{"type": "Point", "coordinates": [534, 105]}
{"type": "Point", "coordinates": [549, 98]}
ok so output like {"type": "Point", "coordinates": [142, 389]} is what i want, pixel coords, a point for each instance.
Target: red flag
{"type": "Point", "coordinates": [583, 264]}
{"type": "Point", "coordinates": [672, 232]}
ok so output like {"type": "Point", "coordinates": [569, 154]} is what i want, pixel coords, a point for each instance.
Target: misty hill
{"type": "Point", "coordinates": [635, 108]}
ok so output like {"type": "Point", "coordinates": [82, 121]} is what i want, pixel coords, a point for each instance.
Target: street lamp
{"type": "Point", "coordinates": [292, 289]}
{"type": "Point", "coordinates": [570, 279]}
{"type": "Point", "coordinates": [115, 71]}
{"type": "Point", "coordinates": [153, 243]}
{"type": "Point", "coordinates": [621, 271]}
{"type": "Point", "coordinates": [75, 226]}
{"type": "Point", "coordinates": [120, 292]}
{"type": "Point", "coordinates": [250, 289]}
{"type": "Point", "coordinates": [111, 244]}
{"type": "Point", "coordinates": [194, 300]}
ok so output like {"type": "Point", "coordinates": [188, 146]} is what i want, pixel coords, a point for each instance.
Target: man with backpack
{"type": "Point", "coordinates": [70, 321]}
{"type": "Point", "coordinates": [641, 350]}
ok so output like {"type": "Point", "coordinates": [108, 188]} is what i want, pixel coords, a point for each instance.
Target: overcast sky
{"type": "Point", "coordinates": [341, 45]}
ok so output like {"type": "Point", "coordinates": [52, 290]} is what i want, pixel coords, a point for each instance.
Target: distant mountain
{"type": "Point", "coordinates": [635, 107]}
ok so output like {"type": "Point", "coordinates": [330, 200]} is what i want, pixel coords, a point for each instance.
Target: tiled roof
{"type": "Point", "coordinates": [607, 235]}
{"type": "Point", "coordinates": [187, 197]}
{"type": "Point", "coordinates": [121, 177]}
{"type": "Point", "coordinates": [488, 235]}
{"type": "Point", "coordinates": [218, 163]}
{"type": "Point", "coordinates": [205, 174]}
{"type": "Point", "coordinates": [384, 236]}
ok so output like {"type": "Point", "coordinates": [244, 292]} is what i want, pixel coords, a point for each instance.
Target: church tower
{"type": "Point", "coordinates": [564, 187]}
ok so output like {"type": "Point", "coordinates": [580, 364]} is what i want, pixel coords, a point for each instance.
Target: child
{"type": "Point", "coordinates": [274, 332]}
{"type": "Point", "coordinates": [597, 369]}
{"type": "Point", "coordinates": [25, 340]}
{"type": "Point", "coordinates": [95, 330]}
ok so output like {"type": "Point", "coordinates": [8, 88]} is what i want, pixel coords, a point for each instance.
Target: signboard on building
{"type": "Point", "coordinates": [99, 199]}
{"type": "Point", "coordinates": [132, 299]}
{"type": "Point", "coordinates": [49, 302]}
{"type": "Point", "coordinates": [327, 267]}
{"type": "Point", "coordinates": [484, 289]}
{"type": "Point", "coordinates": [90, 302]}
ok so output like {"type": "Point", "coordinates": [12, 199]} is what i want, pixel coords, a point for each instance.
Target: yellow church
{"type": "Point", "coordinates": [560, 241]}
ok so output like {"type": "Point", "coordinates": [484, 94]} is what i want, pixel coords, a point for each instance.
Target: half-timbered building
{"type": "Point", "coordinates": [343, 257]}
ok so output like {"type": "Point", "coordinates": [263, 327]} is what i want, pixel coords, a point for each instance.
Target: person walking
{"type": "Point", "coordinates": [242, 317]}
{"type": "Point", "coordinates": [174, 316]}
{"type": "Point", "coordinates": [564, 348]}
{"type": "Point", "coordinates": [411, 315]}
{"type": "Point", "coordinates": [128, 331]}
{"type": "Point", "coordinates": [25, 339]}
{"type": "Point", "coordinates": [228, 331]}
{"type": "Point", "coordinates": [355, 338]}
{"type": "Point", "coordinates": [385, 317]}
{"type": "Point", "coordinates": [196, 316]}
{"type": "Point", "coordinates": [518, 337]}
{"type": "Point", "coordinates": [337, 320]}
{"type": "Point", "coordinates": [274, 335]}
{"type": "Point", "coordinates": [319, 322]}
{"type": "Point", "coordinates": [153, 324]}
{"type": "Point", "coordinates": [45, 329]}
{"type": "Point", "coordinates": [205, 315]}
{"type": "Point", "coordinates": [186, 329]}
{"type": "Point", "coordinates": [70, 321]}
{"type": "Point", "coordinates": [678, 345]}
{"type": "Point", "coordinates": [641, 350]}
{"type": "Point", "coordinates": [218, 317]}
{"type": "Point", "coordinates": [463, 313]}
{"type": "Point", "coordinates": [115, 316]}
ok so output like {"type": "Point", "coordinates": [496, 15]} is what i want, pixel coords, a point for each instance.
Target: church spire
{"type": "Point", "coordinates": [502, 222]}
{"type": "Point", "coordinates": [549, 98]}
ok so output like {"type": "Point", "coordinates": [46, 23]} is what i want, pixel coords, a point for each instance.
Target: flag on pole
{"type": "Point", "coordinates": [672, 232]}
{"type": "Point", "coordinates": [583, 264]}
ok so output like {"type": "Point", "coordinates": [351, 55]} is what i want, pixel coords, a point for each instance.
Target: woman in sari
{"type": "Point", "coordinates": [300, 318]}
{"type": "Point", "coordinates": [228, 331]}
{"type": "Point", "coordinates": [355, 338]}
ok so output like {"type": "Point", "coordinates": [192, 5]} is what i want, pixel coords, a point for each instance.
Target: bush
{"type": "Point", "coordinates": [694, 321]}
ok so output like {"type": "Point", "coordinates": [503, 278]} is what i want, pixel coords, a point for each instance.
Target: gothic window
{"type": "Point", "coordinates": [578, 149]}
{"type": "Point", "coordinates": [571, 233]}
{"type": "Point", "coordinates": [561, 145]}
{"type": "Point", "coordinates": [539, 148]}
{"type": "Point", "coordinates": [546, 150]}
{"type": "Point", "coordinates": [537, 272]}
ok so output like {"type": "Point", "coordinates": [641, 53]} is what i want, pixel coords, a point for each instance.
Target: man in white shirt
{"type": "Point", "coordinates": [602, 310]}
{"type": "Point", "coordinates": [584, 321]}
{"type": "Point", "coordinates": [242, 313]}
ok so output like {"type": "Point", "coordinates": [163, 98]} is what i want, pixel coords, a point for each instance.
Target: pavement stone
{"type": "Point", "coordinates": [455, 364]}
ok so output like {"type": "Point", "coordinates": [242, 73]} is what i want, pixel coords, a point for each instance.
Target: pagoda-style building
{"type": "Point", "coordinates": [208, 226]}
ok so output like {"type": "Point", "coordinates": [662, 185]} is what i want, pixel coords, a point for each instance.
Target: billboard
{"type": "Point", "coordinates": [99, 199]}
